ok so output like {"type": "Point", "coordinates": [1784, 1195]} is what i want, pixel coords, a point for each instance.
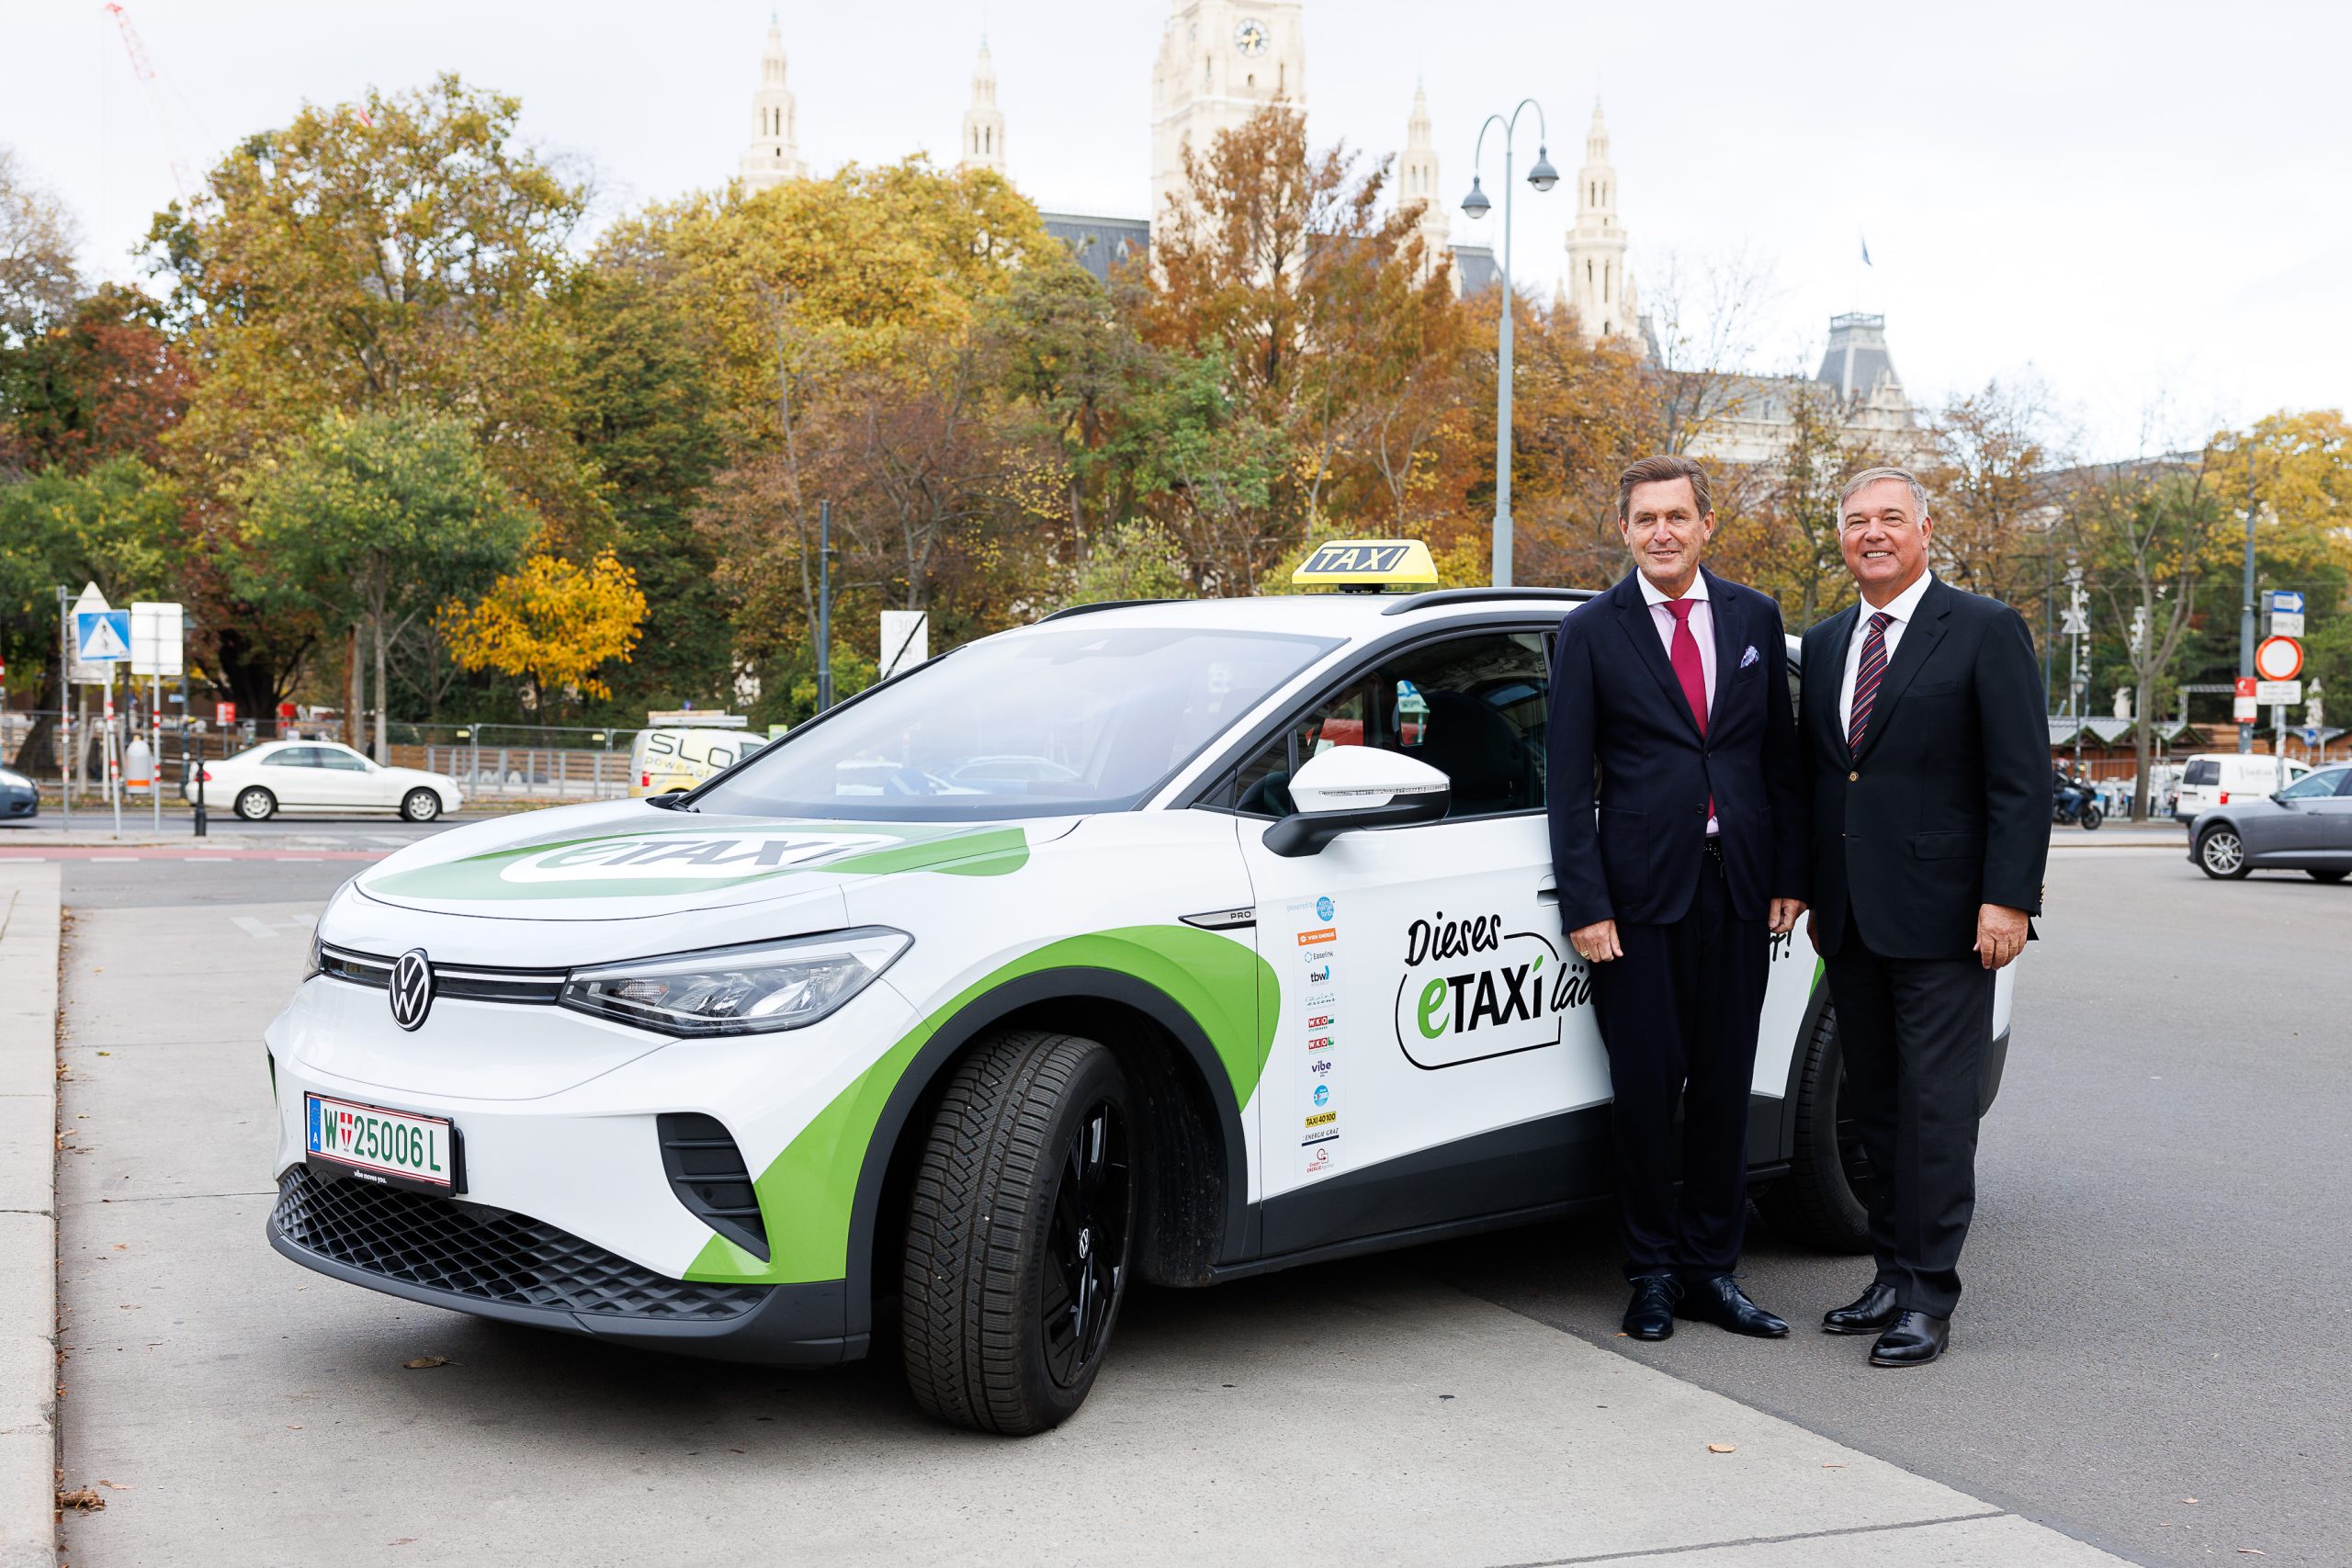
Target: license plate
{"type": "Point", "coordinates": [390, 1146]}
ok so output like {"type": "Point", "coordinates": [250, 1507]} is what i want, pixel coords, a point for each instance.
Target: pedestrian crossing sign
{"type": "Point", "coordinates": [102, 636]}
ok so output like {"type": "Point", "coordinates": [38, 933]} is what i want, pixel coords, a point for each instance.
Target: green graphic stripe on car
{"type": "Point", "coordinates": [808, 1191]}
{"type": "Point", "coordinates": [655, 863]}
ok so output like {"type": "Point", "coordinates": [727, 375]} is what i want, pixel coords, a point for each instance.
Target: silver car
{"type": "Point", "coordinates": [2306, 827]}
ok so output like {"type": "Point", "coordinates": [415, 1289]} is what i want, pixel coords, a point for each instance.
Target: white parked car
{"type": "Point", "coordinates": [318, 775]}
{"type": "Point", "coordinates": [2228, 778]}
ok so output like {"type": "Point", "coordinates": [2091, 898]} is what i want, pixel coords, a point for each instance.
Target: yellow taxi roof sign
{"type": "Point", "coordinates": [1368, 564]}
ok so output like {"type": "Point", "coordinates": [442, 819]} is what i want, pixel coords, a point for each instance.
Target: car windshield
{"type": "Point", "coordinates": [1063, 720]}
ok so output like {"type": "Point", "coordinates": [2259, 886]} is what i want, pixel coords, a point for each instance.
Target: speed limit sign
{"type": "Point", "coordinates": [2278, 659]}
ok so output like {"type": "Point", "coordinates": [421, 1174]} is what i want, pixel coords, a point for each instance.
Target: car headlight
{"type": "Point", "coordinates": [756, 990]}
{"type": "Point", "coordinates": [14, 779]}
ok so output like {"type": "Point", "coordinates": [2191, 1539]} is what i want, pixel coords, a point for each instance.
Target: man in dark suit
{"type": "Point", "coordinates": [1670, 715]}
{"type": "Point", "coordinates": [1926, 751]}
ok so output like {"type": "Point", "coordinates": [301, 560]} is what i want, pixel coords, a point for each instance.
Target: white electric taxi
{"type": "Point", "coordinates": [1161, 942]}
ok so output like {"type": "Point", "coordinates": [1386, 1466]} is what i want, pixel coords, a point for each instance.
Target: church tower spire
{"type": "Point", "coordinates": [983, 123]}
{"type": "Point", "coordinates": [1418, 184]}
{"type": "Point", "coordinates": [774, 154]}
{"type": "Point", "coordinates": [1600, 289]}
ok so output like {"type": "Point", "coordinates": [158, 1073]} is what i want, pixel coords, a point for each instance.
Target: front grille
{"type": "Point", "coordinates": [485, 1254]}
{"type": "Point", "coordinates": [708, 1174]}
{"type": "Point", "coordinates": [473, 983]}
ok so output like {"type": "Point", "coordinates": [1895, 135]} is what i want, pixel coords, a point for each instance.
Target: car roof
{"type": "Point", "coordinates": [1323, 614]}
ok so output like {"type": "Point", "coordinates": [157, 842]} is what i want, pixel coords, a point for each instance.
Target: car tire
{"type": "Point", "coordinates": [255, 804]}
{"type": "Point", "coordinates": [2327, 876]}
{"type": "Point", "coordinates": [2221, 853]}
{"type": "Point", "coordinates": [1019, 1232]}
{"type": "Point", "coordinates": [420, 806]}
{"type": "Point", "coordinates": [1819, 1203]}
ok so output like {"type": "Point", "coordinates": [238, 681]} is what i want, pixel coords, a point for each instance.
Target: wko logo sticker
{"type": "Point", "coordinates": [1471, 991]}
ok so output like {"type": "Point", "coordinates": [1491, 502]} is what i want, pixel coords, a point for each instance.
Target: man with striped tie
{"type": "Point", "coordinates": [1926, 753]}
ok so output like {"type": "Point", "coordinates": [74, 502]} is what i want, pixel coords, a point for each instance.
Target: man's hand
{"type": "Point", "coordinates": [2000, 935]}
{"type": "Point", "coordinates": [1785, 915]}
{"type": "Point", "coordinates": [1597, 944]}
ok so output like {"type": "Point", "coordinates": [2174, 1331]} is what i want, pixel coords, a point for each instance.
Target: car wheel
{"type": "Point", "coordinates": [2328, 876]}
{"type": "Point", "coordinates": [1018, 1234]}
{"type": "Point", "coordinates": [420, 806]}
{"type": "Point", "coordinates": [2221, 853]}
{"type": "Point", "coordinates": [1819, 1203]}
{"type": "Point", "coordinates": [255, 804]}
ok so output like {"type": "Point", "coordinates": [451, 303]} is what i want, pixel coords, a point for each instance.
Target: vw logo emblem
{"type": "Point", "coordinates": [411, 987]}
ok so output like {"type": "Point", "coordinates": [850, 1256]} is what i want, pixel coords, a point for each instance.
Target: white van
{"type": "Point", "coordinates": [679, 751]}
{"type": "Point", "coordinates": [2217, 778]}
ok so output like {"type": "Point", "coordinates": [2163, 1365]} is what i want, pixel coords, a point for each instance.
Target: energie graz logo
{"type": "Point", "coordinates": [412, 989]}
{"type": "Point", "coordinates": [1472, 990]}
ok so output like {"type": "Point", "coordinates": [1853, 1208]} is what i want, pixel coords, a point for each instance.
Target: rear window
{"type": "Point", "coordinates": [2206, 772]}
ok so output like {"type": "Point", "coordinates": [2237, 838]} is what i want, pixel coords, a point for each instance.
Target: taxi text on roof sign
{"type": "Point", "coordinates": [1368, 563]}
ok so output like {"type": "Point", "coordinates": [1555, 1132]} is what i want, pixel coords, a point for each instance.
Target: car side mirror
{"type": "Point", "coordinates": [1350, 787]}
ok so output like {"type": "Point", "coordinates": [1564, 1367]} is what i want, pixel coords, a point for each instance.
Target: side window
{"type": "Point", "coordinates": [339, 760]}
{"type": "Point", "coordinates": [2317, 786]}
{"type": "Point", "coordinates": [1474, 708]}
{"type": "Point", "coordinates": [294, 757]}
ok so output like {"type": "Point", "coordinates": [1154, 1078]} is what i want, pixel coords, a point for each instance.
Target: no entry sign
{"type": "Point", "coordinates": [2278, 659]}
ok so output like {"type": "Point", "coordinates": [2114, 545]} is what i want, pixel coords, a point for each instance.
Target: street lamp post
{"type": "Point", "coordinates": [1542, 177]}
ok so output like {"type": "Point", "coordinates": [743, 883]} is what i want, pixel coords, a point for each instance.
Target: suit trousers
{"type": "Point", "coordinates": [1678, 1014]}
{"type": "Point", "coordinates": [1913, 1031]}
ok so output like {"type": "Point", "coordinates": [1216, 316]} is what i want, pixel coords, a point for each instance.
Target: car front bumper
{"type": "Point", "coordinates": [17, 804]}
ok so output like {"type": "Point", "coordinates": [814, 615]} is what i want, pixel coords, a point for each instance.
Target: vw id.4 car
{"type": "Point", "coordinates": [1162, 942]}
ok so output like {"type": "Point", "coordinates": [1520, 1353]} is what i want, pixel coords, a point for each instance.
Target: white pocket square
{"type": "Point", "coordinates": [1750, 657]}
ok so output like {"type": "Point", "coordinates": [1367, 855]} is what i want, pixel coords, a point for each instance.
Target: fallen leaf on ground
{"type": "Point", "coordinates": [113, 1485]}
{"type": "Point", "coordinates": [2188, 1499]}
{"type": "Point", "coordinates": [1720, 1448]}
{"type": "Point", "coordinates": [86, 1499]}
{"type": "Point", "coordinates": [421, 1362]}
{"type": "Point", "coordinates": [1833, 1467]}
{"type": "Point", "coordinates": [2252, 1551]}
{"type": "Point", "coordinates": [403, 1540]}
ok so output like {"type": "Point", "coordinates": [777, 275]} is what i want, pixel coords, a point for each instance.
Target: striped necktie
{"type": "Point", "coordinates": [1866, 679]}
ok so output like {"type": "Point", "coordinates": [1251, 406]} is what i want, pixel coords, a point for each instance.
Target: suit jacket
{"type": "Point", "coordinates": [1630, 774]}
{"type": "Point", "coordinates": [1946, 805]}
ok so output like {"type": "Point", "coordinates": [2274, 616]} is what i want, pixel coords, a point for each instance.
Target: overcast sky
{"type": "Point", "coordinates": [2143, 205]}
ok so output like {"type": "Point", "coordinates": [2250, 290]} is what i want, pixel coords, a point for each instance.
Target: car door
{"type": "Point", "coordinates": [2324, 808]}
{"type": "Point", "coordinates": [292, 773]}
{"type": "Point", "coordinates": [1436, 1057]}
{"type": "Point", "coordinates": [347, 780]}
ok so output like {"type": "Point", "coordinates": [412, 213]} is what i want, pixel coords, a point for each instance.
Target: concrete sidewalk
{"type": "Point", "coordinates": [29, 923]}
{"type": "Point", "coordinates": [241, 1409]}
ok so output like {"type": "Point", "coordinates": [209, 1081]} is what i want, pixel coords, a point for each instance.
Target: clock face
{"type": "Point", "coordinates": [1249, 37]}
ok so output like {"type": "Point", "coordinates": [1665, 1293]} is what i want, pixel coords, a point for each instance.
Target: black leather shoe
{"type": "Point", "coordinates": [1913, 1340]}
{"type": "Point", "coordinates": [1720, 1300]}
{"type": "Point", "coordinates": [1650, 1314]}
{"type": "Point", "coordinates": [1869, 1313]}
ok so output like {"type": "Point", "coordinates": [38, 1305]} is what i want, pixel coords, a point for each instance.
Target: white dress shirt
{"type": "Point", "coordinates": [1905, 606]}
{"type": "Point", "coordinates": [1702, 628]}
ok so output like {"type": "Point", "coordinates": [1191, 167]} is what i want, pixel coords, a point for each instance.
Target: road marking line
{"type": "Point", "coordinates": [114, 860]}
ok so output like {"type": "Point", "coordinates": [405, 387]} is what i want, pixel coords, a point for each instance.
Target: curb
{"type": "Point", "coordinates": [30, 928]}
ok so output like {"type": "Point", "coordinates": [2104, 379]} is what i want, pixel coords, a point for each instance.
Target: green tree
{"type": "Point", "coordinates": [377, 520]}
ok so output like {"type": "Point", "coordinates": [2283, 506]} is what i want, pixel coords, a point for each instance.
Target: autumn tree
{"type": "Point", "coordinates": [551, 622]}
{"type": "Point", "coordinates": [376, 521]}
{"type": "Point", "coordinates": [37, 279]}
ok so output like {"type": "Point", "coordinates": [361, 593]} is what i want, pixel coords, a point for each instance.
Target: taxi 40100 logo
{"type": "Point", "coordinates": [1472, 990]}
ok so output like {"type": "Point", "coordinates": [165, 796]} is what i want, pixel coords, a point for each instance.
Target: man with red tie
{"type": "Point", "coordinates": [1926, 757]}
{"type": "Point", "coordinates": [1675, 794]}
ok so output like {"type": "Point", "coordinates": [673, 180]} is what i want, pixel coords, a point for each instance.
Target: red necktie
{"type": "Point", "coordinates": [1687, 668]}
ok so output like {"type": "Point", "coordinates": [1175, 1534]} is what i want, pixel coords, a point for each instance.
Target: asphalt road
{"type": "Point", "coordinates": [2159, 1282]}
{"type": "Point", "coordinates": [2158, 1297]}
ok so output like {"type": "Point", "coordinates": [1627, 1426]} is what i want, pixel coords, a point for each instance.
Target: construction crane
{"type": "Point", "coordinates": [143, 68]}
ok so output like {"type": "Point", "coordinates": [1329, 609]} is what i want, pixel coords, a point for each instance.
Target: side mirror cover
{"type": "Point", "coordinates": [1350, 788]}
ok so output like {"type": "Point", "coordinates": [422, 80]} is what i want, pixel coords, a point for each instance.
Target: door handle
{"type": "Point", "coordinates": [1547, 892]}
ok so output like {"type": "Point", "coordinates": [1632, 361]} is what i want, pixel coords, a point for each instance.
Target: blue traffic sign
{"type": "Point", "coordinates": [2283, 602]}
{"type": "Point", "coordinates": [102, 636]}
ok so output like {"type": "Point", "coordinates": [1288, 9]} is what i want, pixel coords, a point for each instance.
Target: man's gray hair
{"type": "Point", "coordinates": [1869, 477]}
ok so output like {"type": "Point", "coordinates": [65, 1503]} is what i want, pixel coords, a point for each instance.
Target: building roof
{"type": "Point", "coordinates": [1096, 243]}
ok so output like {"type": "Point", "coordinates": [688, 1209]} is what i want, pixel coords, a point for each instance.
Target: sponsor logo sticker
{"type": "Point", "coordinates": [1323, 909]}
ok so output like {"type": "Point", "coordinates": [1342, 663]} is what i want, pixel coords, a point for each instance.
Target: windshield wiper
{"type": "Point", "coordinates": [670, 800]}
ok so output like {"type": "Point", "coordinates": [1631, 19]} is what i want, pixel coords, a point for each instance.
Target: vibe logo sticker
{"type": "Point", "coordinates": [1471, 991]}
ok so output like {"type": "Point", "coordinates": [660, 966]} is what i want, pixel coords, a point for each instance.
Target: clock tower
{"type": "Point", "coordinates": [1221, 62]}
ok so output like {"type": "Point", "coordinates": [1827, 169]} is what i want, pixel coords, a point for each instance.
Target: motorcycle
{"type": "Point", "coordinates": [2077, 803]}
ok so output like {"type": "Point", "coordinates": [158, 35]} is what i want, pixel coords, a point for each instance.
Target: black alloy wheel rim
{"type": "Point", "coordinates": [1086, 1244]}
